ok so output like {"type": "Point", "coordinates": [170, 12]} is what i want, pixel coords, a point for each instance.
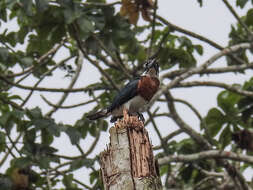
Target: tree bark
{"type": "Point", "coordinates": [128, 163]}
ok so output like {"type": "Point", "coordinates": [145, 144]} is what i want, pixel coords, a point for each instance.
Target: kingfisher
{"type": "Point", "coordinates": [134, 96]}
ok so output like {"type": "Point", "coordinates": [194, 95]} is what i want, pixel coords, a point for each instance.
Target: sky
{"type": "Point", "coordinates": [213, 20]}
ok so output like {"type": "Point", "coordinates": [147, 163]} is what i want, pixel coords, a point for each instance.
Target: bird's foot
{"type": "Point", "coordinates": [126, 114]}
{"type": "Point", "coordinates": [133, 121]}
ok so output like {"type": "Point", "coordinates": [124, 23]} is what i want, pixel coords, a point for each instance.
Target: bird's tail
{"type": "Point", "coordinates": [97, 115]}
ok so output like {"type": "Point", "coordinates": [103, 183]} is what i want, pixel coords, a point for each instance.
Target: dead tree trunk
{"type": "Point", "coordinates": [128, 163]}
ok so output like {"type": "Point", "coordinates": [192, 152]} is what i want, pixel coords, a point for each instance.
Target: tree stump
{"type": "Point", "coordinates": [128, 163]}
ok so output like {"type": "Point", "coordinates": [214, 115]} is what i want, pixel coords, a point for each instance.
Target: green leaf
{"type": "Point", "coordinates": [4, 119]}
{"type": "Point", "coordinates": [71, 11]}
{"type": "Point", "coordinates": [93, 129]}
{"type": "Point", "coordinates": [164, 169]}
{"type": "Point", "coordinates": [10, 3]}
{"type": "Point", "coordinates": [30, 136]}
{"type": "Point", "coordinates": [93, 176]}
{"type": "Point", "coordinates": [22, 33]}
{"type": "Point", "coordinates": [187, 172]}
{"type": "Point", "coordinates": [214, 121]}
{"type": "Point", "coordinates": [67, 181]}
{"type": "Point", "coordinates": [34, 113]}
{"type": "Point", "coordinates": [21, 162]}
{"type": "Point", "coordinates": [27, 6]}
{"type": "Point", "coordinates": [85, 25]}
{"type": "Point", "coordinates": [5, 183]}
{"type": "Point", "coordinates": [44, 162]}
{"type": "Point", "coordinates": [15, 97]}
{"type": "Point", "coordinates": [81, 163]}
{"type": "Point", "coordinates": [249, 18]}
{"type": "Point", "coordinates": [26, 62]}
{"type": "Point", "coordinates": [53, 128]}
{"type": "Point", "coordinates": [92, 46]}
{"type": "Point", "coordinates": [3, 12]}
{"type": "Point", "coordinates": [248, 85]}
{"type": "Point", "coordinates": [46, 137]}
{"type": "Point", "coordinates": [82, 126]}
{"type": "Point", "coordinates": [245, 106]}
{"type": "Point", "coordinates": [42, 5]}
{"type": "Point", "coordinates": [241, 3]}
{"type": "Point", "coordinates": [2, 142]}
{"type": "Point", "coordinates": [4, 54]}
{"type": "Point", "coordinates": [227, 100]}
{"type": "Point", "coordinates": [99, 21]}
{"type": "Point", "coordinates": [104, 125]}
{"type": "Point", "coordinates": [74, 135]}
{"type": "Point", "coordinates": [199, 49]}
{"type": "Point", "coordinates": [200, 3]}
{"type": "Point", "coordinates": [225, 137]}
{"type": "Point", "coordinates": [47, 124]}
{"type": "Point", "coordinates": [186, 146]}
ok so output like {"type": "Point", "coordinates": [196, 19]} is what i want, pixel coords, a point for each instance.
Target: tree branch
{"type": "Point", "coordinates": [72, 83]}
{"type": "Point", "coordinates": [216, 84]}
{"type": "Point", "coordinates": [42, 78]}
{"type": "Point", "coordinates": [39, 61]}
{"type": "Point", "coordinates": [195, 70]}
{"type": "Point", "coordinates": [209, 154]}
{"type": "Point", "coordinates": [199, 37]}
{"type": "Point", "coordinates": [48, 89]}
{"type": "Point", "coordinates": [150, 49]}
{"type": "Point", "coordinates": [233, 68]}
{"type": "Point", "coordinates": [184, 126]}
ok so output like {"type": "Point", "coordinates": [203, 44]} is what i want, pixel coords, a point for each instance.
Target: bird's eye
{"type": "Point", "coordinates": [148, 63]}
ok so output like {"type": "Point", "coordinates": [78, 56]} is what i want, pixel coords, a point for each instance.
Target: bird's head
{"type": "Point", "coordinates": [152, 68]}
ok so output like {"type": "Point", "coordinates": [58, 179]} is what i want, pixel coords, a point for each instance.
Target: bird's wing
{"type": "Point", "coordinates": [125, 94]}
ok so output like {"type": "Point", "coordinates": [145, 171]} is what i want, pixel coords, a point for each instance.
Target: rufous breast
{"type": "Point", "coordinates": [147, 87]}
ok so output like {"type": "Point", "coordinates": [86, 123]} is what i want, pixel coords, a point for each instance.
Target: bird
{"type": "Point", "coordinates": [134, 96]}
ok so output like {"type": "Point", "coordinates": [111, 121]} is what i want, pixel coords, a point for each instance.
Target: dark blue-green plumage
{"type": "Point", "coordinates": [125, 94]}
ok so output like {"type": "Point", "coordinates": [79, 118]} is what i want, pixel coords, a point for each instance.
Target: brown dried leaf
{"type": "Point", "coordinates": [133, 17]}
{"type": "Point", "coordinates": [146, 15]}
{"type": "Point", "coordinates": [123, 11]}
{"type": "Point", "coordinates": [130, 9]}
{"type": "Point", "coordinates": [151, 3]}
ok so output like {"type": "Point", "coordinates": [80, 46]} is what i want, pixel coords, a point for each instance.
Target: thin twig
{"type": "Point", "coordinates": [156, 129]}
{"type": "Point", "coordinates": [67, 107]}
{"type": "Point", "coordinates": [101, 70]}
{"type": "Point", "coordinates": [231, 9]}
{"type": "Point", "coordinates": [39, 61]}
{"type": "Point", "coordinates": [42, 78]}
{"type": "Point", "coordinates": [168, 137]}
{"type": "Point", "coordinates": [184, 126]}
{"type": "Point", "coordinates": [60, 90]}
{"type": "Point", "coordinates": [209, 154]}
{"type": "Point", "coordinates": [10, 150]}
{"type": "Point", "coordinates": [72, 83]}
{"type": "Point", "coordinates": [113, 56]}
{"type": "Point", "coordinates": [231, 88]}
{"type": "Point", "coordinates": [150, 49]}
{"type": "Point", "coordinates": [218, 70]}
{"type": "Point", "coordinates": [49, 183]}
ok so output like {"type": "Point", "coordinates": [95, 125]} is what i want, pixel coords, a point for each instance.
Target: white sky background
{"type": "Point", "coordinates": [213, 21]}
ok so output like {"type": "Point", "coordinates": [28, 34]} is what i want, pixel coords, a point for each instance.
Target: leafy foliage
{"type": "Point", "coordinates": [242, 3]}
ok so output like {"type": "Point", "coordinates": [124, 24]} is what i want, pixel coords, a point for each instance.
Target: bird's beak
{"type": "Point", "coordinates": [152, 64]}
